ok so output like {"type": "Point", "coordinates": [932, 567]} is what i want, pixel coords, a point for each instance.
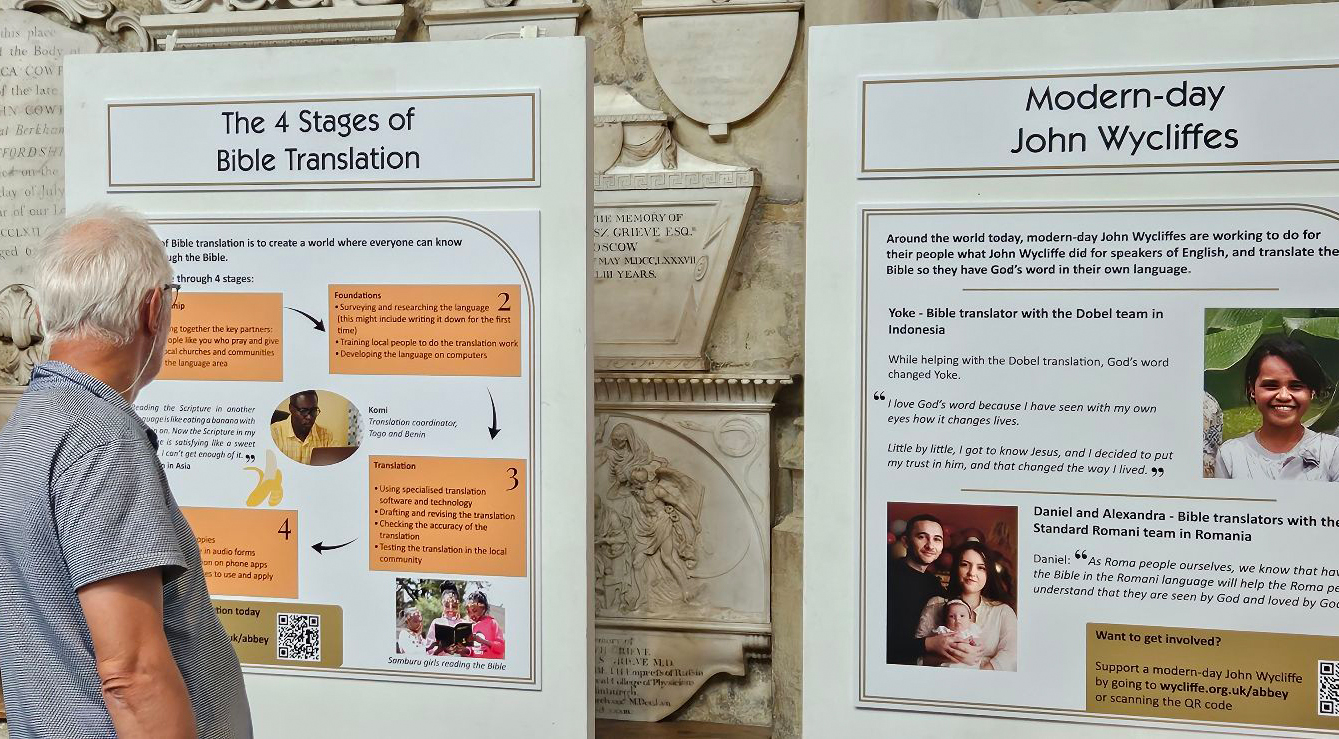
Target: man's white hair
{"type": "Point", "coordinates": [94, 271]}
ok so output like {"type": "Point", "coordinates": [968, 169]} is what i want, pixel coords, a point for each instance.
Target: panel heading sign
{"type": "Point", "coordinates": [1128, 121]}
{"type": "Point", "coordinates": [466, 140]}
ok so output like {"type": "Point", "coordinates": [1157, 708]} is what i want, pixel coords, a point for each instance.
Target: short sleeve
{"type": "Point", "coordinates": [112, 513]}
{"type": "Point", "coordinates": [1220, 467]}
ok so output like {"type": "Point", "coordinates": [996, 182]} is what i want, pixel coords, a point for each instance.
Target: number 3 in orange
{"type": "Point", "coordinates": [511, 475]}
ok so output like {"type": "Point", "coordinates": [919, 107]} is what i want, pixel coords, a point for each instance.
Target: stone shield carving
{"type": "Point", "coordinates": [719, 62]}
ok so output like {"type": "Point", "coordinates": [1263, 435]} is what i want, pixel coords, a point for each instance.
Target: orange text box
{"type": "Point", "coordinates": [246, 551]}
{"type": "Point", "coordinates": [226, 336]}
{"type": "Point", "coordinates": [425, 330]}
{"type": "Point", "coordinates": [448, 515]}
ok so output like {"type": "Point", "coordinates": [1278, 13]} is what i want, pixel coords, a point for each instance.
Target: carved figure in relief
{"type": "Point", "coordinates": [21, 345]}
{"type": "Point", "coordinates": [647, 527]}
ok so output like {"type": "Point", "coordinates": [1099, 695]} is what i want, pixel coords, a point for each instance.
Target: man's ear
{"type": "Point", "coordinates": [151, 312]}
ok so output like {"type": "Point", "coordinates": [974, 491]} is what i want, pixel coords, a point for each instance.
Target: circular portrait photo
{"type": "Point", "coordinates": [316, 427]}
{"type": "Point", "coordinates": [1269, 403]}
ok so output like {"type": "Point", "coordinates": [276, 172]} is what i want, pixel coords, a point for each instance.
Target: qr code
{"type": "Point", "coordinates": [1327, 687]}
{"type": "Point", "coordinates": [299, 636]}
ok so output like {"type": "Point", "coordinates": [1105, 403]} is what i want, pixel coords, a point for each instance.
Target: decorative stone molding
{"type": "Point", "coordinates": [212, 29]}
{"type": "Point", "coordinates": [719, 61]}
{"type": "Point", "coordinates": [466, 20]}
{"type": "Point", "coordinates": [739, 392]}
{"type": "Point", "coordinates": [21, 344]}
{"type": "Point", "coordinates": [675, 180]}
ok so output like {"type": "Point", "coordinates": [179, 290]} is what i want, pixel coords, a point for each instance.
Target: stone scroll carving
{"type": "Point", "coordinates": [719, 61]}
{"type": "Point", "coordinates": [681, 534]}
{"type": "Point", "coordinates": [667, 225]}
{"type": "Point", "coordinates": [21, 345]}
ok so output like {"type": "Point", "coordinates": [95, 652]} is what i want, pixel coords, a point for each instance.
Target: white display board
{"type": "Point", "coordinates": [379, 354]}
{"type": "Point", "coordinates": [1037, 347]}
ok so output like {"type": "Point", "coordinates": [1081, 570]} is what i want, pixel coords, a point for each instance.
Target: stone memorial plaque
{"type": "Point", "coordinates": [32, 140]}
{"type": "Point", "coordinates": [667, 224]}
{"type": "Point", "coordinates": [645, 676]}
{"type": "Point", "coordinates": [664, 248]}
{"type": "Point", "coordinates": [32, 169]}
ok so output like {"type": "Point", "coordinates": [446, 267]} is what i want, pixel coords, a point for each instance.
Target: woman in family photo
{"type": "Point", "coordinates": [988, 624]}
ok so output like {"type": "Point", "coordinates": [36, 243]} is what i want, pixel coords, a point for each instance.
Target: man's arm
{"type": "Point", "coordinates": [141, 684]}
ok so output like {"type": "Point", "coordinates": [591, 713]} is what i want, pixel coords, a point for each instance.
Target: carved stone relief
{"type": "Point", "coordinates": [464, 20]}
{"type": "Point", "coordinates": [719, 61]}
{"type": "Point", "coordinates": [667, 224]}
{"type": "Point", "coordinates": [682, 535]}
{"type": "Point", "coordinates": [21, 345]}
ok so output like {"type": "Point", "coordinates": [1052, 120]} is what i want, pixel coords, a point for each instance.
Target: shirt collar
{"type": "Point", "coordinates": [54, 374]}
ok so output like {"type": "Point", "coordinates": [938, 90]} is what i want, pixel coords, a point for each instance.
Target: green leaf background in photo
{"type": "Point", "coordinates": [1225, 348]}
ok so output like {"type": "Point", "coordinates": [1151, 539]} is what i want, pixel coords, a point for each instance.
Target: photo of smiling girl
{"type": "Point", "coordinates": [1283, 380]}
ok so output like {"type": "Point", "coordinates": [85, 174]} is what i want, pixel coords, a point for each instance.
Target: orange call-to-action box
{"type": "Point", "coordinates": [456, 330]}
{"type": "Point", "coordinates": [246, 551]}
{"type": "Point", "coordinates": [226, 336]}
{"type": "Point", "coordinates": [448, 515]}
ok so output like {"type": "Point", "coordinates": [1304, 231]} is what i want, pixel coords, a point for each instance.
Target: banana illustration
{"type": "Point", "coordinates": [271, 483]}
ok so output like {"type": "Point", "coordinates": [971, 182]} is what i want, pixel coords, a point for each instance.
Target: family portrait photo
{"type": "Point", "coordinates": [952, 576]}
{"type": "Point", "coordinates": [448, 617]}
{"type": "Point", "coordinates": [1269, 410]}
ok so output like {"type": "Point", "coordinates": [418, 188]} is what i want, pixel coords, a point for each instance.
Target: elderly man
{"type": "Point", "coordinates": [107, 626]}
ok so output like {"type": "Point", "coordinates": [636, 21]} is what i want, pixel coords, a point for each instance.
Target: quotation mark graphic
{"type": "Point", "coordinates": [1157, 471]}
{"type": "Point", "coordinates": [878, 395]}
{"type": "Point", "coordinates": [1081, 554]}
{"type": "Point", "coordinates": [250, 458]}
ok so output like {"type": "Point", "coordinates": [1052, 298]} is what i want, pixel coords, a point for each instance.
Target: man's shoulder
{"type": "Point", "coordinates": [68, 420]}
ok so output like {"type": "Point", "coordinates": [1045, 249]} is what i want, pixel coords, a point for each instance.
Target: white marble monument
{"type": "Point", "coordinates": [667, 225]}
{"type": "Point", "coordinates": [682, 535]}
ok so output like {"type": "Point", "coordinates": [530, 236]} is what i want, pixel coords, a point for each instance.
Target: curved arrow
{"type": "Point", "coordinates": [321, 547]}
{"type": "Point", "coordinates": [319, 324]}
{"type": "Point", "coordinates": [493, 430]}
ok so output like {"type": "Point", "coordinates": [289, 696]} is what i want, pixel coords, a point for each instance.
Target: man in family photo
{"type": "Point", "coordinates": [911, 585]}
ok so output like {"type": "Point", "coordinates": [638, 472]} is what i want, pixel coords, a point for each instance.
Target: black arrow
{"type": "Point", "coordinates": [321, 547]}
{"type": "Point", "coordinates": [320, 325]}
{"type": "Point", "coordinates": [493, 430]}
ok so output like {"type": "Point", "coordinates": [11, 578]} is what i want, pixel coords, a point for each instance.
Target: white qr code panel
{"type": "Point", "coordinates": [299, 636]}
{"type": "Point", "coordinates": [1327, 687]}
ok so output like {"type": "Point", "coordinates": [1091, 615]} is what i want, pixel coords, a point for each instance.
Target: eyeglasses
{"type": "Point", "coordinates": [172, 290]}
{"type": "Point", "coordinates": [307, 411]}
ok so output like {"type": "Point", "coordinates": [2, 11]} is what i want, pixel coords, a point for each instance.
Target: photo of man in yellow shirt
{"type": "Point", "coordinates": [298, 435]}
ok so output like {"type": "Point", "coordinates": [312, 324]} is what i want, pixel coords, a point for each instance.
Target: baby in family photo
{"type": "Point", "coordinates": [959, 620]}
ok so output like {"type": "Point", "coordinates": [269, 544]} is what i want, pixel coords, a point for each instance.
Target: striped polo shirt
{"type": "Point", "coordinates": [83, 498]}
